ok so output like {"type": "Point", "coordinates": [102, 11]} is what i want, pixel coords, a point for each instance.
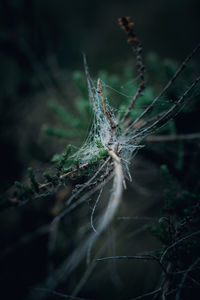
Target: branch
{"type": "Point", "coordinates": [128, 26]}
{"type": "Point", "coordinates": [147, 294]}
{"type": "Point", "coordinates": [172, 138]}
{"type": "Point", "coordinates": [174, 77]}
{"type": "Point", "coordinates": [166, 116]}
{"type": "Point", "coordinates": [81, 200]}
{"type": "Point", "coordinates": [141, 257]}
{"type": "Point", "coordinates": [13, 201]}
{"type": "Point", "coordinates": [178, 242]}
{"type": "Point", "coordinates": [108, 115]}
{"type": "Point", "coordinates": [184, 278]}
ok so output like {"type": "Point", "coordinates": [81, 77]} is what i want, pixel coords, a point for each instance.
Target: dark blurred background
{"type": "Point", "coordinates": [41, 43]}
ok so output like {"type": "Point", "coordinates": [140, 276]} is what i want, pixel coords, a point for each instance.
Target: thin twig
{"type": "Point", "coordinates": [116, 194]}
{"type": "Point", "coordinates": [142, 218]}
{"type": "Point", "coordinates": [184, 278]}
{"type": "Point", "coordinates": [14, 201]}
{"type": "Point", "coordinates": [172, 138]}
{"type": "Point", "coordinates": [84, 197]}
{"type": "Point", "coordinates": [91, 96]}
{"type": "Point", "coordinates": [43, 185]}
{"type": "Point", "coordinates": [174, 77]}
{"type": "Point", "coordinates": [71, 263]}
{"type": "Point", "coordinates": [147, 294]}
{"type": "Point", "coordinates": [140, 257]}
{"type": "Point", "coordinates": [178, 242]}
{"type": "Point", "coordinates": [46, 290]}
{"type": "Point", "coordinates": [165, 117]}
{"type": "Point", "coordinates": [108, 115]}
{"type": "Point", "coordinates": [93, 211]}
{"type": "Point", "coordinates": [88, 182]}
{"type": "Point", "coordinates": [128, 26]}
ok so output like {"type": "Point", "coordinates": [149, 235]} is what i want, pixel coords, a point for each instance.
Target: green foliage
{"type": "Point", "coordinates": [73, 124]}
{"type": "Point", "coordinates": [160, 232]}
{"type": "Point", "coordinates": [101, 155]}
{"type": "Point", "coordinates": [119, 90]}
{"type": "Point", "coordinates": [23, 192]}
{"type": "Point", "coordinates": [65, 161]}
{"type": "Point", "coordinates": [182, 211]}
{"type": "Point", "coordinates": [170, 189]}
{"type": "Point", "coordinates": [80, 83]}
{"type": "Point", "coordinates": [177, 203]}
{"type": "Point", "coordinates": [48, 177]}
{"type": "Point", "coordinates": [99, 144]}
{"type": "Point", "coordinates": [34, 183]}
{"type": "Point", "coordinates": [65, 115]}
{"type": "Point", "coordinates": [180, 156]}
{"type": "Point", "coordinates": [58, 132]}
